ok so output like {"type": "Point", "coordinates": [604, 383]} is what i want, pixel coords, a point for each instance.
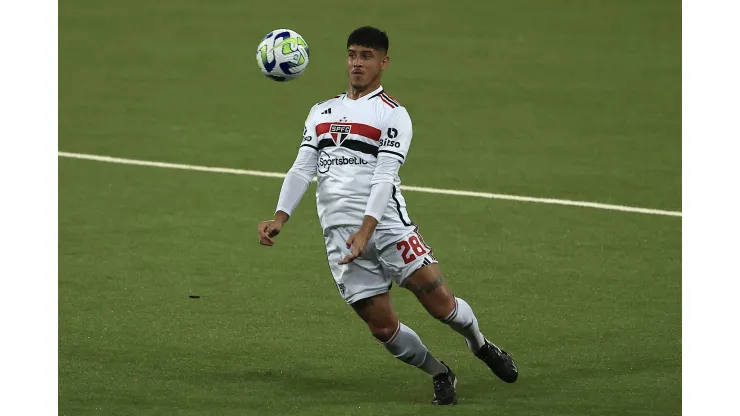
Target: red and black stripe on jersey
{"type": "Point", "coordinates": [391, 99]}
{"type": "Point", "coordinates": [387, 99]}
{"type": "Point", "coordinates": [359, 129]}
{"type": "Point", "coordinates": [368, 132]}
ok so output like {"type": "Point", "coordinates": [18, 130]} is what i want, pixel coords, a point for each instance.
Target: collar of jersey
{"type": "Point", "coordinates": [364, 97]}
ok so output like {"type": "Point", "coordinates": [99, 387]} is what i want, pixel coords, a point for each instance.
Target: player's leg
{"type": "Point", "coordinates": [364, 285]}
{"type": "Point", "coordinates": [397, 338]}
{"type": "Point", "coordinates": [403, 343]}
{"type": "Point", "coordinates": [429, 286]}
{"type": "Point", "coordinates": [411, 264]}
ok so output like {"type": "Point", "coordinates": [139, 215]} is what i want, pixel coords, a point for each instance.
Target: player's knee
{"type": "Point", "coordinates": [383, 332]}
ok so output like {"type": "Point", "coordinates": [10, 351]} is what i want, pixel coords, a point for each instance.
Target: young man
{"type": "Point", "coordinates": [355, 143]}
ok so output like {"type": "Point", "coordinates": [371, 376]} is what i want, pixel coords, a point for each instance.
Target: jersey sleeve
{"type": "Point", "coordinates": [297, 180]}
{"type": "Point", "coordinates": [309, 131]}
{"type": "Point", "coordinates": [396, 135]}
{"type": "Point", "coordinates": [304, 168]}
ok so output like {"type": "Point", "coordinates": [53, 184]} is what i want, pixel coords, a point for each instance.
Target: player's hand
{"type": "Point", "coordinates": [357, 242]}
{"type": "Point", "coordinates": [267, 230]}
{"type": "Point", "coordinates": [270, 228]}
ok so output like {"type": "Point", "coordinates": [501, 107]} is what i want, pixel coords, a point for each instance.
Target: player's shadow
{"type": "Point", "coordinates": [543, 380]}
{"type": "Point", "coordinates": [357, 388]}
{"type": "Point", "coordinates": [304, 380]}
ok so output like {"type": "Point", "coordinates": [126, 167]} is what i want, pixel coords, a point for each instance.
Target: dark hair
{"type": "Point", "coordinates": [369, 37]}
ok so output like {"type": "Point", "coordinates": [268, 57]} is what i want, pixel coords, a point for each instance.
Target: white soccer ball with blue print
{"type": "Point", "coordinates": [282, 55]}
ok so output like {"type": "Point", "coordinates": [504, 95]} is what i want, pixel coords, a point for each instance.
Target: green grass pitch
{"type": "Point", "coordinates": [571, 99]}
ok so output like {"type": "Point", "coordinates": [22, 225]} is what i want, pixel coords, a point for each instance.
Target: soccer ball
{"type": "Point", "coordinates": [282, 55]}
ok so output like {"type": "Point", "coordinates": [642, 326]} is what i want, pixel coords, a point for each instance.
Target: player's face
{"type": "Point", "coordinates": [364, 65]}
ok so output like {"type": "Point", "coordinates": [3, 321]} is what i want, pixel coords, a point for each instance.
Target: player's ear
{"type": "Point", "coordinates": [384, 62]}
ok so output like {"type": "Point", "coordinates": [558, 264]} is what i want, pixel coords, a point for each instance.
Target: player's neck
{"type": "Point", "coordinates": [355, 93]}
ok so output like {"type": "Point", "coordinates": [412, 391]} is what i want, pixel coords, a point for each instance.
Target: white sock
{"type": "Point", "coordinates": [462, 320]}
{"type": "Point", "coordinates": [407, 347]}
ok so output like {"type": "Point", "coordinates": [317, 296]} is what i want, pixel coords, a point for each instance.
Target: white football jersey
{"type": "Point", "coordinates": [348, 135]}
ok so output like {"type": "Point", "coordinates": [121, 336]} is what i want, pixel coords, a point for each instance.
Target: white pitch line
{"type": "Point", "coordinates": [487, 195]}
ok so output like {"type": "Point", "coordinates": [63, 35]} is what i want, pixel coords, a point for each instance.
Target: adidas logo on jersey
{"type": "Point", "coordinates": [327, 111]}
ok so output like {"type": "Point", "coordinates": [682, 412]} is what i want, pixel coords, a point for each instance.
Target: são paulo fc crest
{"type": "Point", "coordinates": [339, 132]}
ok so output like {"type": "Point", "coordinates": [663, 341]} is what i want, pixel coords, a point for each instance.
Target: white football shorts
{"type": "Point", "coordinates": [390, 256]}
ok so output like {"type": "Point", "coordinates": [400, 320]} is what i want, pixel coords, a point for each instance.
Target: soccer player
{"type": "Point", "coordinates": [355, 143]}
